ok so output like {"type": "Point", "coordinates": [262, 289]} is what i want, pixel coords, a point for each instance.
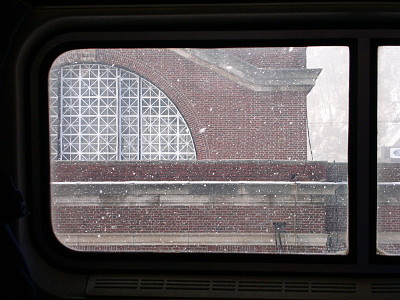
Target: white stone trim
{"type": "Point", "coordinates": [250, 76]}
{"type": "Point", "coordinates": [173, 193]}
{"type": "Point", "coordinates": [198, 239]}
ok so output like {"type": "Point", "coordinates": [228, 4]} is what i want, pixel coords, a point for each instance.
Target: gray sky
{"type": "Point", "coordinates": [388, 97]}
{"type": "Point", "coordinates": [328, 103]}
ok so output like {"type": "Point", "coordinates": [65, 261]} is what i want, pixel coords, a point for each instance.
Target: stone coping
{"type": "Point", "coordinates": [198, 193]}
{"type": "Point", "coordinates": [197, 239]}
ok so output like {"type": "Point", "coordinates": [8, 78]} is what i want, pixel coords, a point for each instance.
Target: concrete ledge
{"type": "Point", "coordinates": [189, 193]}
{"type": "Point", "coordinates": [250, 76]}
{"type": "Point", "coordinates": [387, 238]}
{"type": "Point", "coordinates": [197, 239]}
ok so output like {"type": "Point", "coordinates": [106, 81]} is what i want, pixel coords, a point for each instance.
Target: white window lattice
{"type": "Point", "coordinates": [107, 113]}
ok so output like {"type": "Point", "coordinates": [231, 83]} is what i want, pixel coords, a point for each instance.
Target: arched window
{"type": "Point", "coordinates": [101, 113]}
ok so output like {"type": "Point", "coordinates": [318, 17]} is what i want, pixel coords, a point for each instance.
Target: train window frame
{"type": "Point", "coordinates": [139, 234]}
{"type": "Point", "coordinates": [213, 257]}
{"type": "Point", "coordinates": [49, 41]}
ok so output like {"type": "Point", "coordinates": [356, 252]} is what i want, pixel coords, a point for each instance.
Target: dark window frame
{"type": "Point", "coordinates": [220, 33]}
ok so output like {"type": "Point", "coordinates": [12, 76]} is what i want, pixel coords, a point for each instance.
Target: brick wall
{"type": "Point", "coordinates": [240, 170]}
{"type": "Point", "coordinates": [188, 219]}
{"type": "Point", "coordinates": [200, 215]}
{"type": "Point", "coordinates": [388, 172]}
{"type": "Point", "coordinates": [199, 228]}
{"type": "Point", "coordinates": [388, 215]}
{"type": "Point", "coordinates": [226, 126]}
{"type": "Point", "coordinates": [337, 172]}
{"type": "Point", "coordinates": [227, 120]}
{"type": "Point", "coordinates": [237, 140]}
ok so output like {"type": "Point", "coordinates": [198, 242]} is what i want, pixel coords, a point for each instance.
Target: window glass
{"type": "Point", "coordinates": [234, 150]}
{"type": "Point", "coordinates": [106, 113]}
{"type": "Point", "coordinates": [388, 229]}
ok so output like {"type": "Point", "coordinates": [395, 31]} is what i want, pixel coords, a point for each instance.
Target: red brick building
{"type": "Point", "coordinates": [190, 150]}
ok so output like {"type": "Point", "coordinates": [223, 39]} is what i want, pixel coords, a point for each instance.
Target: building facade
{"type": "Point", "coordinates": [190, 150]}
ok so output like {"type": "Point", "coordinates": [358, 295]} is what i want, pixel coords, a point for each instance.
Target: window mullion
{"type": "Point", "coordinates": [119, 116]}
{"type": "Point", "coordinates": [140, 139]}
{"type": "Point", "coordinates": [80, 113]}
{"type": "Point", "coordinates": [159, 128]}
{"type": "Point", "coordinates": [61, 110]}
{"type": "Point", "coordinates": [98, 111]}
{"type": "Point", "coordinates": [360, 214]}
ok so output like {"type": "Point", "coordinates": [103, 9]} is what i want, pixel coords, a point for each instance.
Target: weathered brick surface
{"type": "Point", "coordinates": [337, 172]}
{"type": "Point", "coordinates": [205, 248]}
{"type": "Point", "coordinates": [388, 217]}
{"type": "Point", "coordinates": [189, 171]}
{"type": "Point", "coordinates": [388, 172]}
{"type": "Point", "coordinates": [188, 219]}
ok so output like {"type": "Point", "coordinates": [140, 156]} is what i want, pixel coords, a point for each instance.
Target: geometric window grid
{"type": "Point", "coordinates": [105, 113]}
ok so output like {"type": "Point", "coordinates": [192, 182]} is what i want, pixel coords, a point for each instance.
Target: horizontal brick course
{"type": "Point", "coordinates": [189, 171]}
{"type": "Point", "coordinates": [235, 219]}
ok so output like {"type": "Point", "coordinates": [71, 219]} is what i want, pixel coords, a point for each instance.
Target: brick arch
{"type": "Point", "coordinates": [239, 123]}
{"type": "Point", "coordinates": [123, 58]}
{"type": "Point", "coordinates": [173, 90]}
{"type": "Point", "coordinates": [65, 60]}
